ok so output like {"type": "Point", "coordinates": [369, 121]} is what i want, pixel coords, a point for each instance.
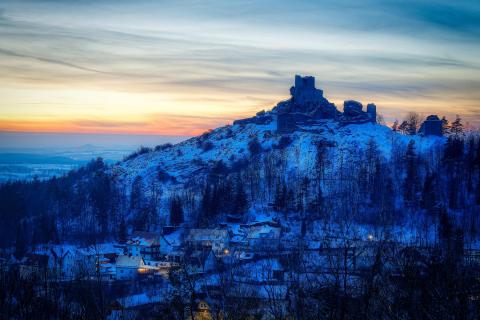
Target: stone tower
{"type": "Point", "coordinates": [304, 91]}
{"type": "Point", "coordinates": [372, 112]}
{"type": "Point", "coordinates": [432, 126]}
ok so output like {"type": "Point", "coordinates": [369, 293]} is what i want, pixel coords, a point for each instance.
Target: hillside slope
{"type": "Point", "coordinates": [259, 144]}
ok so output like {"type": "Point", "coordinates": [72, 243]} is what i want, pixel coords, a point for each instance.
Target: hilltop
{"type": "Point", "coordinates": [293, 132]}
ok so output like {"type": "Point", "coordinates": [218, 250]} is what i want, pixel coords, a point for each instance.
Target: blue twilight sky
{"type": "Point", "coordinates": [180, 67]}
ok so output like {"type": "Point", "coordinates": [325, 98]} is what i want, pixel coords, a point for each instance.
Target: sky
{"type": "Point", "coordinates": [182, 67]}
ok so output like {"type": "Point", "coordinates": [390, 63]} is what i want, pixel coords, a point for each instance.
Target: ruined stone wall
{"type": "Point", "coordinates": [432, 126]}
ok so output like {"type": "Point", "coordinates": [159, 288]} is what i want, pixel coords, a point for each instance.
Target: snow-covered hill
{"type": "Point", "coordinates": [229, 144]}
{"type": "Point", "coordinates": [258, 140]}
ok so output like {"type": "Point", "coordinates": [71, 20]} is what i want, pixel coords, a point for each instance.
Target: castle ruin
{"type": "Point", "coordinates": [307, 106]}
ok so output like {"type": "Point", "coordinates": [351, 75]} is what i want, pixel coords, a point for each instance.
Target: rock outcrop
{"type": "Point", "coordinates": [353, 113]}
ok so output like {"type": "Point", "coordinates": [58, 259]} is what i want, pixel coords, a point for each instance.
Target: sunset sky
{"type": "Point", "coordinates": [181, 67]}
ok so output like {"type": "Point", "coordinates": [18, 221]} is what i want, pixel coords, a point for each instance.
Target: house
{"type": "Point", "coordinates": [129, 267]}
{"type": "Point", "coordinates": [62, 260]}
{"type": "Point", "coordinates": [262, 236]}
{"type": "Point", "coordinates": [162, 268]}
{"type": "Point", "coordinates": [107, 268]}
{"type": "Point", "coordinates": [146, 244]}
{"type": "Point", "coordinates": [201, 261]}
{"type": "Point", "coordinates": [99, 257]}
{"type": "Point", "coordinates": [217, 239]}
{"type": "Point", "coordinates": [201, 311]}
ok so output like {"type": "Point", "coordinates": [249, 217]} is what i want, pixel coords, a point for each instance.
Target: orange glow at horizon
{"type": "Point", "coordinates": [170, 124]}
{"type": "Point", "coordinates": [112, 112]}
{"type": "Point", "coordinates": [68, 126]}
{"type": "Point", "coordinates": [127, 118]}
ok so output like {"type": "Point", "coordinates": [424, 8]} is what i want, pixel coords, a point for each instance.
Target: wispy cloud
{"type": "Point", "coordinates": [227, 59]}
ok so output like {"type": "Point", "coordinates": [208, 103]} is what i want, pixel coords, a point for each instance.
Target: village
{"type": "Point", "coordinates": [256, 254]}
{"type": "Point", "coordinates": [259, 262]}
{"type": "Point", "coordinates": [151, 254]}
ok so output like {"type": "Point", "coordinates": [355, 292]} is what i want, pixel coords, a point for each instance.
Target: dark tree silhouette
{"type": "Point", "coordinates": [411, 182]}
{"type": "Point", "coordinates": [176, 211]}
{"type": "Point", "coordinates": [240, 202]}
{"type": "Point", "coordinates": [457, 126]}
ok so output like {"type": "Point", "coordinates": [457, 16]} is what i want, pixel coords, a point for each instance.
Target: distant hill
{"type": "Point", "coordinates": [31, 158]}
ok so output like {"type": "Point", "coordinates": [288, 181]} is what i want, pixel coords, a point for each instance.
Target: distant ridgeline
{"type": "Point", "coordinates": [307, 107]}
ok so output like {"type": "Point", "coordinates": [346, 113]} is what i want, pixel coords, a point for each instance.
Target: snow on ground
{"type": "Point", "coordinates": [230, 143]}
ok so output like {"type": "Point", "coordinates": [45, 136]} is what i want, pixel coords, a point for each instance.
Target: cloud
{"type": "Point", "coordinates": [460, 17]}
{"type": "Point", "coordinates": [48, 60]}
{"type": "Point", "coordinates": [203, 56]}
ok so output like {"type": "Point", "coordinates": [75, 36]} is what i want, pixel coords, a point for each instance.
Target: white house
{"type": "Point", "coordinates": [129, 267]}
{"type": "Point", "coordinates": [96, 257]}
{"type": "Point", "coordinates": [216, 239]}
{"type": "Point", "coordinates": [263, 236]}
{"type": "Point", "coordinates": [201, 261]}
{"type": "Point", "coordinates": [147, 245]}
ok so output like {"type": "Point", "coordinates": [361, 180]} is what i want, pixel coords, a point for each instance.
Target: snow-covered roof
{"type": "Point", "coordinates": [262, 231]}
{"type": "Point", "coordinates": [124, 261]}
{"type": "Point", "coordinates": [207, 235]}
{"type": "Point", "coordinates": [140, 299]}
{"type": "Point", "coordinates": [57, 251]}
{"type": "Point", "coordinates": [144, 238]}
{"type": "Point", "coordinates": [101, 249]}
{"type": "Point", "coordinates": [174, 239]}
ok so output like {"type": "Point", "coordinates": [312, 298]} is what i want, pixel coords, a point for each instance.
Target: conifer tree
{"type": "Point", "coordinates": [445, 227]}
{"type": "Point", "coordinates": [403, 127]}
{"type": "Point", "coordinates": [176, 211]}
{"type": "Point", "coordinates": [240, 202]}
{"type": "Point", "coordinates": [445, 125]}
{"type": "Point", "coordinates": [209, 204]}
{"type": "Point", "coordinates": [122, 230]}
{"type": "Point", "coordinates": [428, 193]}
{"type": "Point", "coordinates": [136, 196]}
{"type": "Point", "coordinates": [320, 161]}
{"type": "Point", "coordinates": [395, 126]}
{"type": "Point", "coordinates": [411, 182]}
{"type": "Point", "coordinates": [279, 203]}
{"type": "Point", "coordinates": [413, 123]}
{"type": "Point", "coordinates": [457, 126]}
{"type": "Point", "coordinates": [316, 205]}
{"type": "Point", "coordinates": [20, 242]}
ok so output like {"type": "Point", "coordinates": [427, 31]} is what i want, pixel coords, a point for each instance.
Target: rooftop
{"type": "Point", "coordinates": [129, 261]}
{"type": "Point", "coordinates": [207, 234]}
